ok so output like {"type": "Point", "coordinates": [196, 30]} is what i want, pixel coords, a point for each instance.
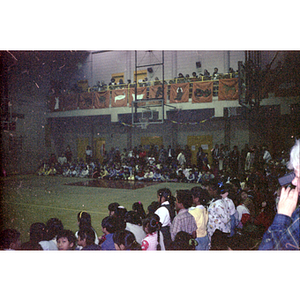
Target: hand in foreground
{"type": "Point", "coordinates": [288, 201]}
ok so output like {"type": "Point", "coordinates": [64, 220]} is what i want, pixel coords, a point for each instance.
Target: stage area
{"type": "Point", "coordinates": [114, 184]}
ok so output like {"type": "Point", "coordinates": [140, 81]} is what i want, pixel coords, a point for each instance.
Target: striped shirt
{"type": "Point", "coordinates": [184, 221]}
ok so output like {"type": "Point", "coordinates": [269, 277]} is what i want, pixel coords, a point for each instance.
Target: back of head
{"type": "Point", "coordinates": [110, 223]}
{"type": "Point", "coordinates": [152, 223]}
{"type": "Point", "coordinates": [133, 217]}
{"type": "Point", "coordinates": [184, 197]}
{"type": "Point", "coordinates": [8, 237]}
{"type": "Point", "coordinates": [37, 232]}
{"type": "Point", "coordinates": [53, 226]}
{"type": "Point", "coordinates": [112, 207]}
{"type": "Point", "coordinates": [126, 238]}
{"type": "Point", "coordinates": [88, 234]}
{"type": "Point", "coordinates": [202, 194]}
{"type": "Point", "coordinates": [184, 241]}
{"type": "Point", "coordinates": [84, 219]}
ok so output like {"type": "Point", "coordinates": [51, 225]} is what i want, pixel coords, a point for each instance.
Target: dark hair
{"type": "Point", "coordinates": [53, 226]}
{"type": "Point", "coordinates": [184, 241]}
{"type": "Point", "coordinates": [153, 207]}
{"type": "Point", "coordinates": [113, 206]}
{"type": "Point", "coordinates": [184, 197]}
{"type": "Point", "coordinates": [219, 240]}
{"type": "Point", "coordinates": [88, 234]}
{"type": "Point", "coordinates": [126, 238]}
{"type": "Point", "coordinates": [120, 212]}
{"type": "Point", "coordinates": [110, 223]}
{"type": "Point", "coordinates": [37, 232]}
{"type": "Point", "coordinates": [139, 208]}
{"type": "Point", "coordinates": [165, 192]}
{"type": "Point", "coordinates": [151, 222]}
{"type": "Point", "coordinates": [202, 194]}
{"type": "Point", "coordinates": [66, 233]}
{"type": "Point", "coordinates": [8, 236]}
{"type": "Point", "coordinates": [133, 217]}
{"type": "Point", "coordinates": [84, 219]}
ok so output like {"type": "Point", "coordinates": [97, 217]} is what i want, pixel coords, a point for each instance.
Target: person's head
{"type": "Point", "coordinates": [153, 207]}
{"type": "Point", "coordinates": [219, 240]}
{"type": "Point", "coordinates": [10, 239]}
{"type": "Point", "coordinates": [86, 237]}
{"type": "Point", "coordinates": [133, 217]}
{"type": "Point", "coordinates": [163, 195]}
{"type": "Point", "coordinates": [66, 240]}
{"type": "Point", "coordinates": [53, 226]}
{"type": "Point", "coordinates": [184, 199]}
{"type": "Point", "coordinates": [184, 241]}
{"type": "Point", "coordinates": [112, 207]}
{"type": "Point", "coordinates": [294, 163]}
{"type": "Point", "coordinates": [200, 196]}
{"type": "Point", "coordinates": [109, 224]}
{"type": "Point", "coordinates": [139, 208]}
{"type": "Point", "coordinates": [125, 240]}
{"type": "Point", "coordinates": [243, 195]}
{"type": "Point", "coordinates": [226, 190]}
{"type": "Point", "coordinates": [37, 232]}
{"type": "Point", "coordinates": [213, 188]}
{"type": "Point", "coordinates": [84, 219]}
{"type": "Point", "coordinates": [151, 223]}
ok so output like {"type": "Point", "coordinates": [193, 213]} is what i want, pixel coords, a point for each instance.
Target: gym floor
{"type": "Point", "coordinates": [27, 199]}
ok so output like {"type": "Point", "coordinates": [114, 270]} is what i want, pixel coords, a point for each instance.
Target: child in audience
{"type": "Point", "coordinates": [109, 227]}
{"type": "Point", "coordinates": [184, 241]}
{"type": "Point", "coordinates": [84, 221]}
{"type": "Point", "coordinates": [199, 212]}
{"type": "Point", "coordinates": [10, 239]}
{"type": "Point", "coordinates": [134, 225]}
{"type": "Point", "coordinates": [36, 233]}
{"type": "Point", "coordinates": [86, 239]}
{"type": "Point", "coordinates": [53, 226]}
{"type": "Point", "coordinates": [154, 237]}
{"type": "Point", "coordinates": [139, 208]}
{"type": "Point", "coordinates": [184, 221]}
{"type": "Point", "coordinates": [125, 240]}
{"type": "Point", "coordinates": [66, 240]}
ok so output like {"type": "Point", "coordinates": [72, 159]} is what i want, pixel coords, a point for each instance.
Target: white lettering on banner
{"type": "Point", "coordinates": [120, 97]}
{"type": "Point", "coordinates": [139, 97]}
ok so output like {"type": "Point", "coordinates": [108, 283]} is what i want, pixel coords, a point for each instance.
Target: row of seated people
{"type": "Point", "coordinates": [217, 215]}
{"type": "Point", "coordinates": [102, 86]}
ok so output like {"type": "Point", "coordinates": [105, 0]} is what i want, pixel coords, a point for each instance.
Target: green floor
{"type": "Point", "coordinates": [30, 198]}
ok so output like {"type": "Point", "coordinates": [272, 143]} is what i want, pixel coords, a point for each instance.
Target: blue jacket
{"type": "Point", "coordinates": [283, 234]}
{"type": "Point", "coordinates": [108, 244]}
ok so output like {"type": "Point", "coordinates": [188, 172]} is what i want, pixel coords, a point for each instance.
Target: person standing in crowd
{"type": "Point", "coordinates": [183, 221]}
{"type": "Point", "coordinates": [284, 233]}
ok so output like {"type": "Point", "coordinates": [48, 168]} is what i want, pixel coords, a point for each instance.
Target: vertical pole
{"type": "Point", "coordinates": [163, 88]}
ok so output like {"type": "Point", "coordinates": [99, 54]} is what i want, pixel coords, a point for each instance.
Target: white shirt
{"type": "Point", "coordinates": [164, 215]}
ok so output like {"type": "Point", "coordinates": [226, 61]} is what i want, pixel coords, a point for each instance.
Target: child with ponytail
{"type": "Point", "coordinates": [154, 237]}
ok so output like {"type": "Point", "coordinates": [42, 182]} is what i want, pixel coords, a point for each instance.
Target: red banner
{"type": "Point", "coordinates": [101, 99]}
{"type": "Point", "coordinates": [141, 94]}
{"type": "Point", "coordinates": [202, 92]}
{"type": "Point", "coordinates": [179, 92]}
{"type": "Point", "coordinates": [119, 98]}
{"type": "Point", "coordinates": [70, 101]}
{"type": "Point", "coordinates": [155, 91]}
{"type": "Point", "coordinates": [228, 89]}
{"type": "Point", "coordinates": [85, 100]}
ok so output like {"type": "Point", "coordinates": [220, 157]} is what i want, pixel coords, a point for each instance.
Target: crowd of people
{"type": "Point", "coordinates": [226, 211]}
{"type": "Point", "coordinates": [161, 164]}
